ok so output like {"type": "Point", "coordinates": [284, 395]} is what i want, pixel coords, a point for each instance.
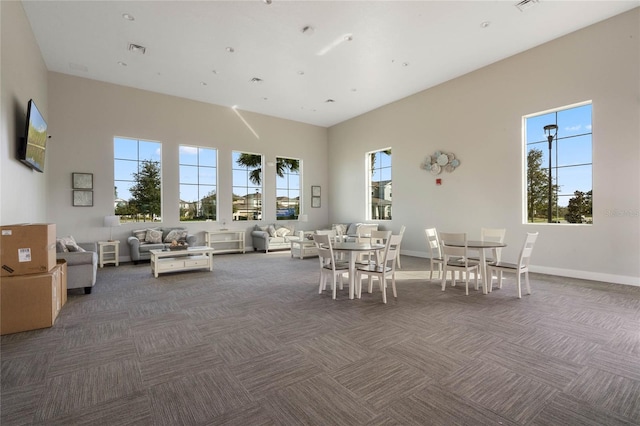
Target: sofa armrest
{"type": "Point", "coordinates": [260, 234]}
{"type": "Point", "coordinates": [134, 248]}
{"type": "Point", "coordinates": [192, 240]}
{"type": "Point", "coordinates": [79, 257]}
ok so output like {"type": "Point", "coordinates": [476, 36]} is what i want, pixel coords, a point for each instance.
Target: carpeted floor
{"type": "Point", "coordinates": [253, 343]}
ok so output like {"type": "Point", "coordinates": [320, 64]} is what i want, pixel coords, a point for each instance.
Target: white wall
{"type": "Point", "coordinates": [478, 117]}
{"type": "Point", "coordinates": [24, 77]}
{"type": "Point", "coordinates": [85, 115]}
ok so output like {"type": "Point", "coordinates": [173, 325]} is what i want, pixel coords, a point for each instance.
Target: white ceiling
{"type": "Point", "coordinates": [398, 48]}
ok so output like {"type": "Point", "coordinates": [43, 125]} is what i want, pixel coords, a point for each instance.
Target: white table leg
{"type": "Point", "coordinates": [352, 272]}
{"type": "Point", "coordinates": [483, 267]}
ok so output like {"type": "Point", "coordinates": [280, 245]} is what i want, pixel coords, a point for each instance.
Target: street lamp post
{"type": "Point", "coordinates": [551, 130]}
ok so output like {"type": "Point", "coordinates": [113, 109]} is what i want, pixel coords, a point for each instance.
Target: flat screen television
{"type": "Point", "coordinates": [31, 148]}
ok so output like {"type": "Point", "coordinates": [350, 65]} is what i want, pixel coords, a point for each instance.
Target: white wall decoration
{"type": "Point", "coordinates": [440, 161]}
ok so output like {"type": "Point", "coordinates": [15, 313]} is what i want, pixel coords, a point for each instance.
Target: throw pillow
{"type": "Point", "coordinates": [352, 229]}
{"type": "Point", "coordinates": [271, 230]}
{"type": "Point", "coordinates": [60, 247]}
{"type": "Point", "coordinates": [140, 234]}
{"type": "Point", "coordinates": [75, 249]}
{"type": "Point", "coordinates": [282, 232]}
{"type": "Point", "coordinates": [176, 234]}
{"type": "Point", "coordinates": [340, 228]}
{"type": "Point", "coordinates": [153, 236]}
{"type": "Point", "coordinates": [69, 241]}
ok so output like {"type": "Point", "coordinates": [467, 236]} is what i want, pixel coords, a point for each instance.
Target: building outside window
{"type": "Point", "coordinates": [247, 186]}
{"type": "Point", "coordinates": [137, 180]}
{"type": "Point", "coordinates": [198, 183]}
{"type": "Point", "coordinates": [570, 161]}
{"type": "Point", "coordinates": [379, 185]}
{"type": "Point", "coordinates": [287, 188]}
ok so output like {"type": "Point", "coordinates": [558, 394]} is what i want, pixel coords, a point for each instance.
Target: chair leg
{"type": "Point", "coordinates": [499, 279]}
{"type": "Point", "coordinates": [444, 278]}
{"type": "Point", "coordinates": [333, 286]}
{"type": "Point", "coordinates": [383, 288]}
{"type": "Point", "coordinates": [393, 285]}
{"type": "Point", "coordinates": [518, 275]}
{"type": "Point", "coordinates": [466, 283]}
{"type": "Point", "coordinates": [526, 281]}
{"type": "Point", "coordinates": [322, 283]}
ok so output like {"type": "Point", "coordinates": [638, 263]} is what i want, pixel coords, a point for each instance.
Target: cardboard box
{"type": "Point", "coordinates": [63, 281]}
{"type": "Point", "coordinates": [27, 249]}
{"type": "Point", "coordinates": [30, 302]}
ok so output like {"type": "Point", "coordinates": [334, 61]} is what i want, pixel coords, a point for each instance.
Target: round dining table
{"type": "Point", "coordinates": [353, 248]}
{"type": "Point", "coordinates": [481, 246]}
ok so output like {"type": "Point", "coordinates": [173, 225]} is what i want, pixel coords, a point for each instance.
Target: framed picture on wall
{"type": "Point", "coordinates": [315, 191]}
{"type": "Point", "coordinates": [82, 198]}
{"type": "Point", "coordinates": [82, 180]}
{"type": "Point", "coordinates": [315, 202]}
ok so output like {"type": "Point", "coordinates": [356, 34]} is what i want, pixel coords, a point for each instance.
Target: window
{"type": "Point", "coordinates": [247, 186]}
{"type": "Point", "coordinates": [137, 180]}
{"type": "Point", "coordinates": [379, 183]}
{"type": "Point", "coordinates": [287, 188]}
{"type": "Point", "coordinates": [567, 160]}
{"type": "Point", "coordinates": [198, 179]}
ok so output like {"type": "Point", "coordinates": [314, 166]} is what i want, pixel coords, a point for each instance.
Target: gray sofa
{"type": "Point", "coordinates": [272, 237]}
{"type": "Point", "coordinates": [81, 266]}
{"type": "Point", "coordinates": [140, 244]}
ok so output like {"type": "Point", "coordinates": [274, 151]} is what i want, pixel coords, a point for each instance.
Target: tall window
{"type": "Point", "coordinates": [198, 179]}
{"type": "Point", "coordinates": [247, 186]}
{"type": "Point", "coordinates": [567, 160]}
{"type": "Point", "coordinates": [287, 188]}
{"type": "Point", "coordinates": [380, 188]}
{"type": "Point", "coordinates": [137, 180]}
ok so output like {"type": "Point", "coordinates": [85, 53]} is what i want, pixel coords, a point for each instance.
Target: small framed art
{"type": "Point", "coordinates": [315, 190]}
{"type": "Point", "coordinates": [82, 198]}
{"type": "Point", "coordinates": [315, 202]}
{"type": "Point", "coordinates": [82, 180]}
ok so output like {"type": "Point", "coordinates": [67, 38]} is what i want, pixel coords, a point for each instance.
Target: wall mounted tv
{"type": "Point", "coordinates": [31, 147]}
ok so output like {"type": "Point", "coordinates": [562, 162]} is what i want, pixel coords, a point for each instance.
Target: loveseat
{"type": "Point", "coordinates": [352, 229]}
{"type": "Point", "coordinates": [143, 240]}
{"type": "Point", "coordinates": [272, 237]}
{"type": "Point", "coordinates": [82, 262]}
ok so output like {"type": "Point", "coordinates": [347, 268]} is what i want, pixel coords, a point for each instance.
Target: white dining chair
{"type": "Point", "coordinates": [456, 259]}
{"type": "Point", "coordinates": [328, 265]}
{"type": "Point", "coordinates": [435, 254]}
{"type": "Point", "coordinates": [495, 235]}
{"type": "Point", "coordinates": [364, 236]}
{"type": "Point", "coordinates": [519, 268]}
{"type": "Point", "coordinates": [401, 233]}
{"type": "Point", "coordinates": [386, 268]}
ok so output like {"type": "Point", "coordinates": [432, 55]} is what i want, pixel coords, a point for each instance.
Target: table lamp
{"type": "Point", "coordinates": [110, 222]}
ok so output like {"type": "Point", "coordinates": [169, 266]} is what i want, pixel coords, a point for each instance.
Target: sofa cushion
{"type": "Point", "coordinates": [153, 236]}
{"type": "Point", "coordinates": [176, 234]}
{"type": "Point", "coordinates": [144, 248]}
{"type": "Point", "coordinates": [271, 230]}
{"type": "Point", "coordinates": [69, 244]}
{"type": "Point", "coordinates": [140, 234]}
{"type": "Point", "coordinates": [80, 258]}
{"type": "Point", "coordinates": [340, 228]}
{"type": "Point", "coordinates": [353, 228]}
{"type": "Point", "coordinates": [75, 248]}
{"type": "Point", "coordinates": [283, 231]}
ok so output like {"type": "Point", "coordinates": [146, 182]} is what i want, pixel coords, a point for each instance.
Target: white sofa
{"type": "Point", "coordinates": [272, 237]}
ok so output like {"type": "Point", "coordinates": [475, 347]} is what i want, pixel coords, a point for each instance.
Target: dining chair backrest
{"type": "Point", "coordinates": [527, 249]}
{"type": "Point", "coordinates": [394, 247]}
{"type": "Point", "coordinates": [332, 233]}
{"type": "Point", "coordinates": [383, 238]}
{"type": "Point", "coordinates": [325, 250]}
{"type": "Point", "coordinates": [433, 243]}
{"type": "Point", "coordinates": [459, 250]}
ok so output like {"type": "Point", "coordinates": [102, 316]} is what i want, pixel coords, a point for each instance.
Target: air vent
{"type": "Point", "coordinates": [136, 48]}
{"type": "Point", "coordinates": [256, 80]}
{"type": "Point", "coordinates": [526, 4]}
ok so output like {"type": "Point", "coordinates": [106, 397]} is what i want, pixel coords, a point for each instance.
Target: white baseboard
{"type": "Point", "coordinates": [571, 273]}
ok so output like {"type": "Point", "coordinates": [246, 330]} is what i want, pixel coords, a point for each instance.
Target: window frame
{"type": "Point", "coordinates": [258, 205]}
{"type": "Point", "coordinates": [201, 193]}
{"type": "Point", "coordinates": [137, 217]}
{"type": "Point", "coordinates": [561, 143]}
{"type": "Point", "coordinates": [371, 169]}
{"type": "Point", "coordinates": [287, 173]}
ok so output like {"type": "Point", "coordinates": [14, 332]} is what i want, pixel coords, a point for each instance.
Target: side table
{"type": "Point", "coordinates": [108, 252]}
{"type": "Point", "coordinates": [301, 248]}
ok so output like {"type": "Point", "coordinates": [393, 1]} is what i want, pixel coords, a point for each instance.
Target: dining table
{"type": "Point", "coordinates": [353, 248]}
{"type": "Point", "coordinates": [480, 246]}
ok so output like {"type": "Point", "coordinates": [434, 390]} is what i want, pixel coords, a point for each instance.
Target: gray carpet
{"type": "Point", "coordinates": [253, 343]}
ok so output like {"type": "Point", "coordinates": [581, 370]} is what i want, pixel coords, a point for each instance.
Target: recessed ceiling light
{"type": "Point", "coordinates": [405, 64]}
{"type": "Point", "coordinates": [265, 99]}
{"type": "Point", "coordinates": [354, 90]}
{"type": "Point", "coordinates": [329, 101]}
{"type": "Point", "coordinates": [266, 1]}
{"type": "Point", "coordinates": [128, 17]}
{"type": "Point", "coordinates": [300, 72]}
{"type": "Point", "coordinates": [122, 64]}
{"type": "Point", "coordinates": [485, 24]}
{"type": "Point", "coordinates": [203, 83]}
{"type": "Point", "coordinates": [136, 48]}
{"type": "Point", "coordinates": [348, 37]}
{"type": "Point", "coordinates": [256, 80]}
{"type": "Point", "coordinates": [214, 71]}
{"type": "Point", "coordinates": [230, 49]}
{"type": "Point", "coordinates": [308, 30]}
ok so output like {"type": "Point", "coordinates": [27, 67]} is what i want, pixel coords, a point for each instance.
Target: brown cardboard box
{"type": "Point", "coordinates": [29, 302]}
{"type": "Point", "coordinates": [27, 249]}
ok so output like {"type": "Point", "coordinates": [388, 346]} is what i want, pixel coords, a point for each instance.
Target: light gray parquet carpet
{"type": "Point", "coordinates": [253, 343]}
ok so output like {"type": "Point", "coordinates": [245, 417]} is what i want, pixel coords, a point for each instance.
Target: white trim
{"type": "Point", "coordinates": [560, 272]}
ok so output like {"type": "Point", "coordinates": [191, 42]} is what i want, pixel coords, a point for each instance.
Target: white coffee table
{"type": "Point", "coordinates": [181, 260]}
{"type": "Point", "coordinates": [301, 247]}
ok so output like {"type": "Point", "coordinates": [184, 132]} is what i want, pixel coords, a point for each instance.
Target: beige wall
{"type": "Point", "coordinates": [24, 77]}
{"type": "Point", "coordinates": [86, 115]}
{"type": "Point", "coordinates": [479, 118]}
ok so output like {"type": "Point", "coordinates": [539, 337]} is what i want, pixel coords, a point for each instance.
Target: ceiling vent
{"type": "Point", "coordinates": [136, 48]}
{"type": "Point", "coordinates": [526, 4]}
{"type": "Point", "coordinates": [256, 80]}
